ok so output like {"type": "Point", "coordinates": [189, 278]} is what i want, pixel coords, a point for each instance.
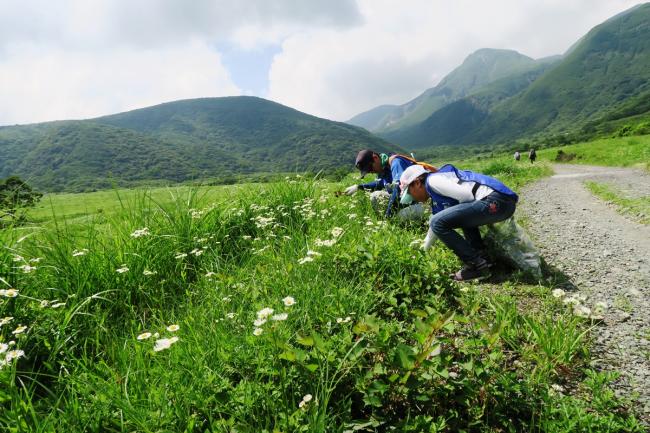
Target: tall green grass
{"type": "Point", "coordinates": [367, 333]}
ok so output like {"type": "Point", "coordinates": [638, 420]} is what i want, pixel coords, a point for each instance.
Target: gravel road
{"type": "Point", "coordinates": [607, 259]}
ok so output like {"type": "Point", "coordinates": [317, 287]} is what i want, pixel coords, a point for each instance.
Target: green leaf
{"type": "Point", "coordinates": [311, 367]}
{"type": "Point", "coordinates": [305, 340]}
{"type": "Point", "coordinates": [404, 356]}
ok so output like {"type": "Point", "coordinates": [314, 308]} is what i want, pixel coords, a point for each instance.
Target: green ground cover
{"type": "Point", "coordinates": [636, 208]}
{"type": "Point", "coordinates": [619, 152]}
{"type": "Point", "coordinates": [155, 315]}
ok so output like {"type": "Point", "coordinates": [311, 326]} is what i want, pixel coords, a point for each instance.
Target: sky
{"type": "Point", "coordinates": [76, 59]}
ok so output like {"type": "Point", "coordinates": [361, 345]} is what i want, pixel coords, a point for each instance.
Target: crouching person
{"type": "Point", "coordinates": [460, 199]}
{"type": "Point", "coordinates": [385, 189]}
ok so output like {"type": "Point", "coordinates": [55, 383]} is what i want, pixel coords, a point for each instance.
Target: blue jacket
{"type": "Point", "coordinates": [391, 174]}
{"type": "Point", "coordinates": [441, 202]}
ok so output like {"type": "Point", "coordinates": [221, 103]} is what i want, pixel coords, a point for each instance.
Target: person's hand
{"type": "Point", "coordinates": [351, 189]}
{"type": "Point", "coordinates": [429, 240]}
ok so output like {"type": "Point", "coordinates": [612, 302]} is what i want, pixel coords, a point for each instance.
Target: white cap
{"type": "Point", "coordinates": [409, 175]}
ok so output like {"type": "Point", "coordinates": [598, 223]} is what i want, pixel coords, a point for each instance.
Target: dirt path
{"type": "Point", "coordinates": [607, 258]}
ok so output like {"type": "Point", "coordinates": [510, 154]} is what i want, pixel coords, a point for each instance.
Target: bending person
{"type": "Point", "coordinates": [389, 168]}
{"type": "Point", "coordinates": [460, 199]}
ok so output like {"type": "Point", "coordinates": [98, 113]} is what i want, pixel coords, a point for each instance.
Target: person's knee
{"type": "Point", "coordinates": [439, 225]}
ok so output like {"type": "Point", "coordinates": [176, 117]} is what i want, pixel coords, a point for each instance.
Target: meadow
{"type": "Point", "coordinates": [281, 307]}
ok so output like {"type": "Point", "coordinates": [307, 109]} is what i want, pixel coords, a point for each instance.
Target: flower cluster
{"type": "Point", "coordinates": [577, 303]}
{"type": "Point", "coordinates": [265, 314]}
{"type": "Point", "coordinates": [140, 233]}
{"type": "Point", "coordinates": [161, 343]}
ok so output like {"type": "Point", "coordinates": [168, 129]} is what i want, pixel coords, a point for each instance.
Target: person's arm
{"type": "Point", "coordinates": [446, 184]}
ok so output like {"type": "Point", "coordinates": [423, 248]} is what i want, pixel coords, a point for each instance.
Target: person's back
{"type": "Point", "coordinates": [517, 156]}
{"type": "Point", "coordinates": [532, 155]}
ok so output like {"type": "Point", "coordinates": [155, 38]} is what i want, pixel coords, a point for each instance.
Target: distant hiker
{"type": "Point", "coordinates": [532, 155]}
{"type": "Point", "coordinates": [517, 156]}
{"type": "Point", "coordinates": [460, 199]}
{"type": "Point", "coordinates": [389, 168]}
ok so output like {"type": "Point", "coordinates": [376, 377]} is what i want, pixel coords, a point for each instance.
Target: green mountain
{"type": "Point", "coordinates": [478, 69]}
{"type": "Point", "coordinates": [605, 75]}
{"type": "Point", "coordinates": [211, 138]}
{"type": "Point", "coordinates": [451, 121]}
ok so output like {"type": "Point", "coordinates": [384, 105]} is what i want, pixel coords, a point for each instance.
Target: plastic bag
{"type": "Point", "coordinates": [514, 245]}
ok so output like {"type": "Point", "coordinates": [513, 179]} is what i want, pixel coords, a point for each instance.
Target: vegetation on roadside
{"type": "Point", "coordinates": [282, 308]}
{"type": "Point", "coordinates": [637, 208]}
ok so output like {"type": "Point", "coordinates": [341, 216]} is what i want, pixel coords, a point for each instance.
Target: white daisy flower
{"type": "Point", "coordinates": [288, 301]}
{"type": "Point", "coordinates": [164, 343]}
{"type": "Point", "coordinates": [144, 336]}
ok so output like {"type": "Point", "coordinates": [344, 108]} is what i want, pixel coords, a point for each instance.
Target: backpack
{"type": "Point", "coordinates": [426, 165]}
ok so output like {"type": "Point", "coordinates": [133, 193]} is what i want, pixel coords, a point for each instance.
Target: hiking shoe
{"type": "Point", "coordinates": [473, 271]}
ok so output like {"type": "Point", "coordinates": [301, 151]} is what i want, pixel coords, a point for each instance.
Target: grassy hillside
{"type": "Point", "coordinates": [155, 315]}
{"type": "Point", "coordinates": [450, 123]}
{"type": "Point", "coordinates": [478, 69]}
{"type": "Point", "coordinates": [602, 80]}
{"type": "Point", "coordinates": [215, 138]}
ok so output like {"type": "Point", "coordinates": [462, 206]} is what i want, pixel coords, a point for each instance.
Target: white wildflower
{"type": "Point", "coordinates": [6, 320]}
{"type": "Point", "coordinates": [14, 354]}
{"type": "Point", "coordinates": [144, 336]}
{"type": "Point", "coordinates": [230, 315]}
{"type": "Point", "coordinates": [571, 301]}
{"type": "Point", "coordinates": [257, 332]}
{"type": "Point", "coordinates": [173, 328]}
{"type": "Point", "coordinates": [27, 269]}
{"type": "Point", "coordinates": [44, 303]}
{"type": "Point", "coordinates": [140, 232]}
{"type": "Point", "coordinates": [324, 243]}
{"type": "Point", "coordinates": [58, 304]}
{"type": "Point", "coordinates": [305, 260]}
{"type": "Point", "coordinates": [265, 313]}
{"type": "Point", "coordinates": [289, 301]}
{"type": "Point", "coordinates": [81, 252]}
{"type": "Point", "coordinates": [581, 311]}
{"type": "Point", "coordinates": [9, 293]}
{"type": "Point", "coordinates": [558, 293]}
{"type": "Point", "coordinates": [342, 320]}
{"type": "Point", "coordinates": [18, 258]}
{"type": "Point", "coordinates": [312, 253]}
{"type": "Point", "coordinates": [210, 274]}
{"type": "Point", "coordinates": [148, 272]}
{"type": "Point", "coordinates": [259, 322]}
{"type": "Point", "coordinates": [246, 237]}
{"type": "Point", "coordinates": [180, 256]}
{"type": "Point", "coordinates": [35, 260]}
{"type": "Point", "coordinates": [164, 343]}
{"type": "Point", "coordinates": [280, 317]}
{"type": "Point", "coordinates": [337, 231]}
{"type": "Point", "coordinates": [19, 330]}
{"type": "Point", "coordinates": [122, 270]}
{"type": "Point", "coordinates": [3, 347]}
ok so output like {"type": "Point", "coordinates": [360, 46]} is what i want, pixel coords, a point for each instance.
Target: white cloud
{"type": "Point", "coordinates": [405, 47]}
{"type": "Point", "coordinates": [45, 84]}
{"type": "Point", "coordinates": [80, 58]}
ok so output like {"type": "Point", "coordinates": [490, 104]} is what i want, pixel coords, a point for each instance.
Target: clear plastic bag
{"type": "Point", "coordinates": [512, 243]}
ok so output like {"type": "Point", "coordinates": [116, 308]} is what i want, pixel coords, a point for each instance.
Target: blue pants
{"type": "Point", "coordinates": [468, 217]}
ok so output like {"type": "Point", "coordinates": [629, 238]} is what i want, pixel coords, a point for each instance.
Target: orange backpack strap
{"type": "Point", "coordinates": [426, 165]}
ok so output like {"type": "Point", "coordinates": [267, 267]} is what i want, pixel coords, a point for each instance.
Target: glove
{"type": "Point", "coordinates": [429, 240]}
{"type": "Point", "coordinates": [351, 189]}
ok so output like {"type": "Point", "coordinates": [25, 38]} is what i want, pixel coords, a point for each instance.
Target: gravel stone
{"type": "Point", "coordinates": [605, 256]}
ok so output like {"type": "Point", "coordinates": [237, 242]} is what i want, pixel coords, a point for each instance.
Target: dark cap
{"type": "Point", "coordinates": [364, 161]}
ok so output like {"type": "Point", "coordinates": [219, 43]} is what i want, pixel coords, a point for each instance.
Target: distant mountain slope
{"type": "Point", "coordinates": [603, 72]}
{"type": "Point", "coordinates": [453, 120]}
{"type": "Point", "coordinates": [177, 141]}
{"type": "Point", "coordinates": [479, 68]}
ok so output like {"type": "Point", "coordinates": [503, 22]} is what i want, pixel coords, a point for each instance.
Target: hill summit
{"type": "Point", "coordinates": [207, 138]}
